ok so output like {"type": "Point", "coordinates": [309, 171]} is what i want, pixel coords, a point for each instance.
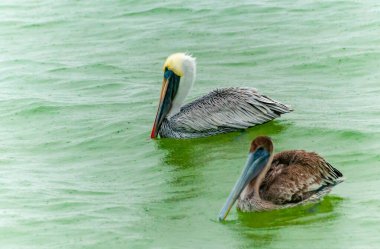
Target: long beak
{"type": "Point", "coordinates": [255, 164]}
{"type": "Point", "coordinates": [168, 92]}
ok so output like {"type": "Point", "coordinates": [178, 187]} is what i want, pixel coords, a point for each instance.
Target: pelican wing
{"type": "Point", "coordinates": [228, 109]}
{"type": "Point", "coordinates": [297, 175]}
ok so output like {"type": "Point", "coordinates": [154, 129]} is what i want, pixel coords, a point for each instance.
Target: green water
{"type": "Point", "coordinates": [80, 82]}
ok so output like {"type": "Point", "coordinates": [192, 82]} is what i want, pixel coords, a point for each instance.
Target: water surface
{"type": "Point", "coordinates": [80, 83]}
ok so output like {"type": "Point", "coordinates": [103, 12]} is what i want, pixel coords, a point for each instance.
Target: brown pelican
{"type": "Point", "coordinates": [287, 179]}
{"type": "Point", "coordinates": [220, 111]}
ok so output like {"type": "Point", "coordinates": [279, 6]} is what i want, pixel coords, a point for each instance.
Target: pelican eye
{"type": "Point", "coordinates": [260, 152]}
{"type": "Point", "coordinates": [167, 73]}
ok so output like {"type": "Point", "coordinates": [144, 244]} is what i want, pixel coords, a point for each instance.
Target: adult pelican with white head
{"type": "Point", "coordinates": [220, 111]}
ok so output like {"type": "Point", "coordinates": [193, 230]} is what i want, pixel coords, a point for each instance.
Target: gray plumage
{"type": "Point", "coordinates": [294, 178]}
{"type": "Point", "coordinates": [220, 111]}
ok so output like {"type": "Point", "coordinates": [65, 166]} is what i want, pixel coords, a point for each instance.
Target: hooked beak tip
{"type": "Point", "coordinates": [153, 133]}
{"type": "Point", "coordinates": [226, 209]}
{"type": "Point", "coordinates": [221, 218]}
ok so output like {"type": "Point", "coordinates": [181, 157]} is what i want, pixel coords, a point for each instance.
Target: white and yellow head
{"type": "Point", "coordinates": [179, 63]}
{"type": "Point", "coordinates": [179, 75]}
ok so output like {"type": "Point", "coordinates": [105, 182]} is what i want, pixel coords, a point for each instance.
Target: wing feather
{"type": "Point", "coordinates": [297, 175]}
{"type": "Point", "coordinates": [228, 109]}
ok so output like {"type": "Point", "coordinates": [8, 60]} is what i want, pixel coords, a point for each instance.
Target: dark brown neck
{"type": "Point", "coordinates": [259, 179]}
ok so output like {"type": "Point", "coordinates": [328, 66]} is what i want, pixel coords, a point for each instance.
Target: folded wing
{"type": "Point", "coordinates": [298, 175]}
{"type": "Point", "coordinates": [228, 109]}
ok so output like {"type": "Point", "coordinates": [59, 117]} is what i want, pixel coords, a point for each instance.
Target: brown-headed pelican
{"type": "Point", "coordinates": [287, 179]}
{"type": "Point", "coordinates": [220, 111]}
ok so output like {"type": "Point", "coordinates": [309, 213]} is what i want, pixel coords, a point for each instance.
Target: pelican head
{"type": "Point", "coordinates": [258, 158]}
{"type": "Point", "coordinates": [179, 74]}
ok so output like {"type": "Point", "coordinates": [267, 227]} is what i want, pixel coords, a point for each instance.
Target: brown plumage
{"type": "Point", "coordinates": [296, 175]}
{"type": "Point", "coordinates": [289, 178]}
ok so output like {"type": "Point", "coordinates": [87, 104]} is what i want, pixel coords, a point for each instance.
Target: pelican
{"type": "Point", "coordinates": [287, 179]}
{"type": "Point", "coordinates": [220, 111]}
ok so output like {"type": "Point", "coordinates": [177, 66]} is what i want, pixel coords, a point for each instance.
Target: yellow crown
{"type": "Point", "coordinates": [174, 63]}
